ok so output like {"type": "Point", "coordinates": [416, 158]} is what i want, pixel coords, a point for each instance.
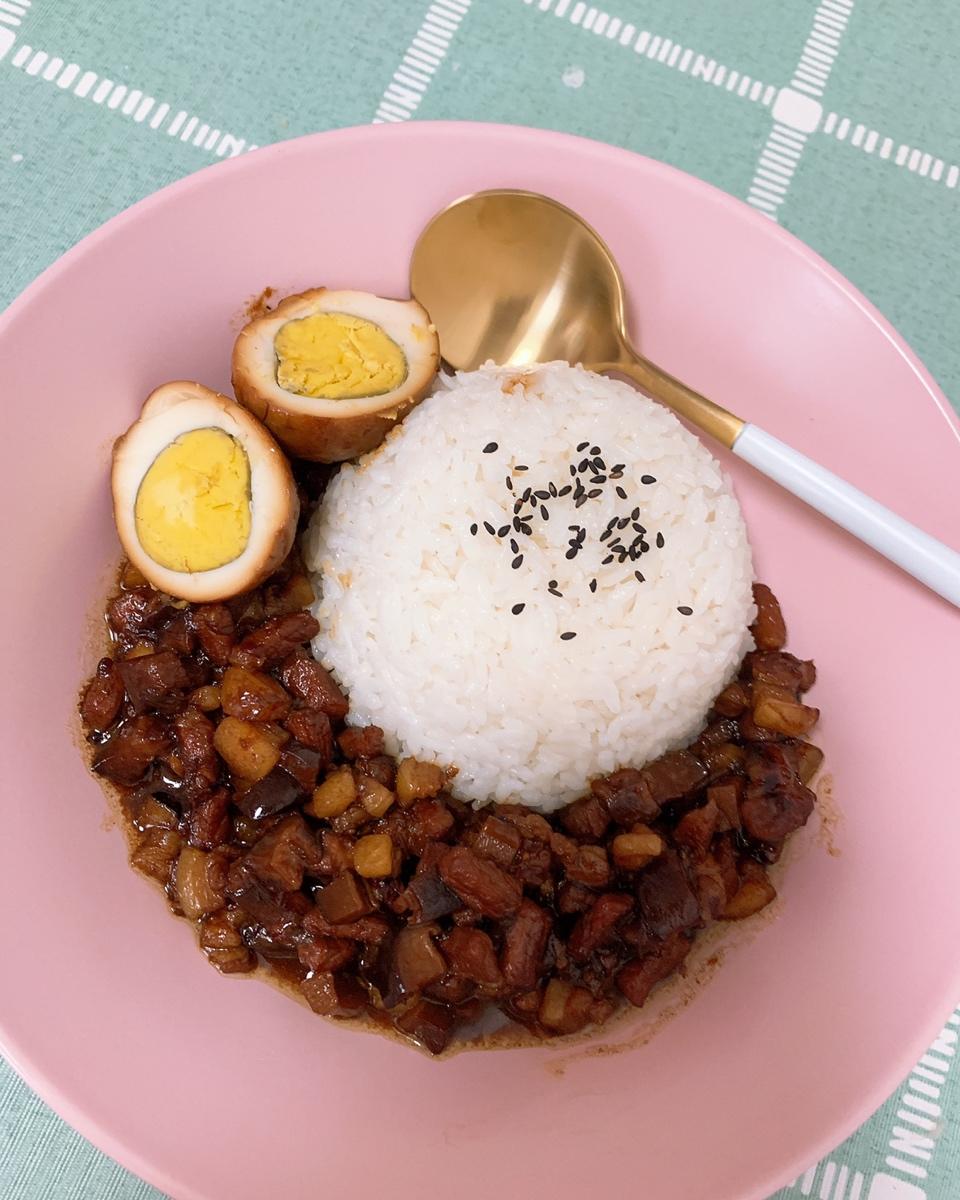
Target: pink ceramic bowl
{"type": "Point", "coordinates": [214, 1088]}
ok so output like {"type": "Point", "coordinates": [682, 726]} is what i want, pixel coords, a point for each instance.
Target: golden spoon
{"type": "Point", "coordinates": [515, 278]}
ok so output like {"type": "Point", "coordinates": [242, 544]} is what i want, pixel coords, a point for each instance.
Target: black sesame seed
{"type": "Point", "coordinates": [503, 531]}
{"type": "Point", "coordinates": [517, 524]}
{"type": "Point", "coordinates": [608, 559]}
{"type": "Point", "coordinates": [517, 561]}
{"type": "Point", "coordinates": [635, 515]}
{"type": "Point", "coordinates": [565, 637]}
{"type": "Point", "coordinates": [619, 468]}
{"type": "Point", "coordinates": [517, 505]}
{"type": "Point", "coordinates": [571, 553]}
{"type": "Point", "coordinates": [598, 479]}
{"type": "Point", "coordinates": [574, 528]}
{"type": "Point", "coordinates": [543, 494]}
{"type": "Point", "coordinates": [552, 583]}
{"type": "Point", "coordinates": [509, 482]}
{"type": "Point", "coordinates": [565, 491]}
{"type": "Point", "coordinates": [594, 493]}
{"type": "Point", "coordinates": [490, 448]}
{"type": "Point", "coordinates": [488, 527]}
{"type": "Point", "coordinates": [526, 495]}
{"type": "Point", "coordinates": [513, 546]}
{"type": "Point", "coordinates": [606, 533]}
{"type": "Point", "coordinates": [593, 585]}
{"type": "Point", "coordinates": [621, 493]}
{"type": "Point", "coordinates": [594, 449]}
{"type": "Point", "coordinates": [583, 464]}
{"type": "Point", "coordinates": [518, 609]}
{"type": "Point", "coordinates": [544, 513]}
{"type": "Point", "coordinates": [659, 541]}
{"type": "Point", "coordinates": [553, 490]}
{"type": "Point", "coordinates": [582, 447]}
{"type": "Point", "coordinates": [641, 529]}
{"type": "Point", "coordinates": [648, 479]}
{"type": "Point", "coordinates": [582, 500]}
{"type": "Point", "coordinates": [526, 529]}
{"type": "Point", "coordinates": [685, 610]}
{"type": "Point", "coordinates": [640, 578]}
{"type": "Point", "coordinates": [521, 467]}
{"type": "Point", "coordinates": [573, 469]}
{"type": "Point", "coordinates": [623, 522]}
{"type": "Point", "coordinates": [554, 592]}
{"type": "Point", "coordinates": [599, 464]}
{"type": "Point", "coordinates": [473, 530]}
{"type": "Point", "coordinates": [644, 547]}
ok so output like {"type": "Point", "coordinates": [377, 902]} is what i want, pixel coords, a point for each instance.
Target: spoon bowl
{"type": "Point", "coordinates": [517, 278]}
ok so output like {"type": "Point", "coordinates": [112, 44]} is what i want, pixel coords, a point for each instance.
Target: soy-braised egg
{"type": "Point", "coordinates": [203, 497]}
{"type": "Point", "coordinates": [331, 372]}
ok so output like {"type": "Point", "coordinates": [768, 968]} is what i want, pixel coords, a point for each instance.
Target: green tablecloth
{"type": "Point", "coordinates": [838, 119]}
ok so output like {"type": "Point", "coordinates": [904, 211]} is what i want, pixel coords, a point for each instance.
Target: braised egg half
{"type": "Point", "coordinates": [331, 372]}
{"type": "Point", "coordinates": [203, 497]}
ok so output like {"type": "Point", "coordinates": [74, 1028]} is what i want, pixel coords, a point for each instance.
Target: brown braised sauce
{"type": "Point", "coordinates": [292, 841]}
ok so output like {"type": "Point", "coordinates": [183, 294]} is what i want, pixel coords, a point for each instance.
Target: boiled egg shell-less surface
{"type": "Point", "coordinates": [331, 372]}
{"type": "Point", "coordinates": [204, 499]}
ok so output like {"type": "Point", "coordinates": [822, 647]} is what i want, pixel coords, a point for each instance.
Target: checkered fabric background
{"type": "Point", "coordinates": [839, 119]}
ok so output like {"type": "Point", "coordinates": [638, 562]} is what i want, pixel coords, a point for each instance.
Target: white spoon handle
{"type": "Point", "coordinates": [916, 552]}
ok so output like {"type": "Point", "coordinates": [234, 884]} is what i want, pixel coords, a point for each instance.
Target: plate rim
{"type": "Point", "coordinates": [740, 209]}
{"type": "Point", "coordinates": [19, 1056]}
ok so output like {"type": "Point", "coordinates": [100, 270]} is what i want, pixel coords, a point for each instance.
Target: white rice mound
{"type": "Point", "coordinates": [415, 611]}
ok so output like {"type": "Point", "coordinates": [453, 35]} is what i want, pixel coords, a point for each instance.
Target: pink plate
{"type": "Point", "coordinates": [225, 1090]}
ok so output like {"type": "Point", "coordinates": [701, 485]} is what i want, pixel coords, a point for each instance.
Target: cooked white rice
{"type": "Point", "coordinates": [416, 612]}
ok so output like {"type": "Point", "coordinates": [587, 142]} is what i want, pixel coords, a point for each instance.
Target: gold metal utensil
{"type": "Point", "coordinates": [516, 278]}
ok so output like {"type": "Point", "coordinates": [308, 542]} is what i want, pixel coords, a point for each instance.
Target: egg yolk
{"type": "Point", "coordinates": [334, 356]}
{"type": "Point", "coordinates": [192, 510]}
